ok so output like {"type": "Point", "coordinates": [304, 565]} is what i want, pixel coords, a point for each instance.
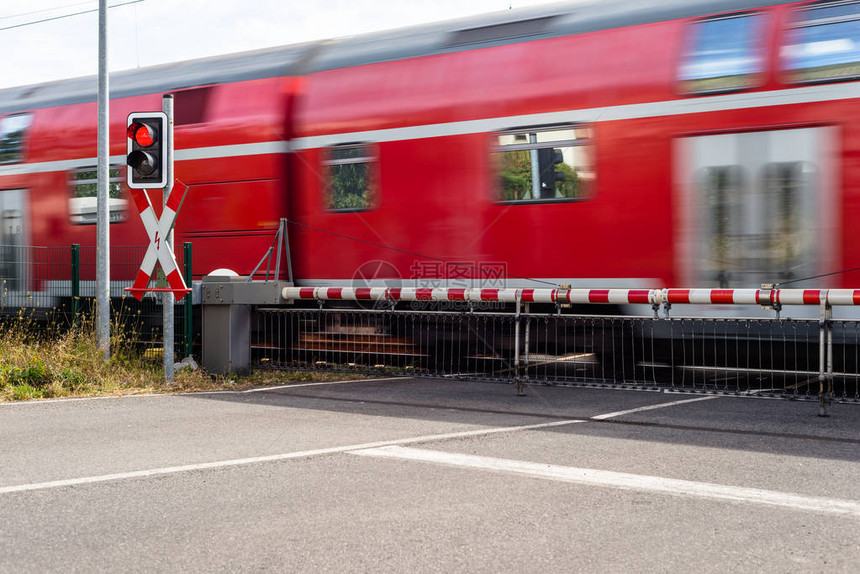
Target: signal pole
{"type": "Point", "coordinates": [167, 302]}
{"type": "Point", "coordinates": [150, 166]}
{"type": "Point", "coordinates": [103, 213]}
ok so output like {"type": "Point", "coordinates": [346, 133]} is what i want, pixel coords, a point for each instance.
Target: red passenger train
{"type": "Point", "coordinates": [621, 144]}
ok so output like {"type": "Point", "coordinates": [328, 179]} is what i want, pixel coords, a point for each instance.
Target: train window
{"type": "Point", "coordinates": [190, 105]}
{"type": "Point", "coordinates": [13, 131]}
{"type": "Point", "coordinates": [824, 43]}
{"type": "Point", "coordinates": [723, 54]}
{"type": "Point", "coordinates": [756, 228]}
{"type": "Point", "coordinates": [722, 189]}
{"type": "Point", "coordinates": [349, 177]}
{"type": "Point", "coordinates": [83, 208]}
{"type": "Point", "coordinates": [13, 241]}
{"type": "Point", "coordinates": [544, 164]}
{"type": "Point", "coordinates": [785, 233]}
{"type": "Point", "coordinates": [496, 32]}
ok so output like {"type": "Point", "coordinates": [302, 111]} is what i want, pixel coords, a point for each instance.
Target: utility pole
{"type": "Point", "coordinates": [103, 213]}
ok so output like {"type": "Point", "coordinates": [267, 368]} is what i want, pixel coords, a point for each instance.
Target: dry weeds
{"type": "Point", "coordinates": [39, 362]}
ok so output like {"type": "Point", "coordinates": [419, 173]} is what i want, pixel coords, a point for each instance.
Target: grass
{"type": "Point", "coordinates": [39, 362]}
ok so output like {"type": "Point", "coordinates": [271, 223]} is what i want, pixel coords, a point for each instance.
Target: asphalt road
{"type": "Point", "coordinates": [428, 475]}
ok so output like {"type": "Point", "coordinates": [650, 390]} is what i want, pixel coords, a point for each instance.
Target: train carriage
{"type": "Point", "coordinates": [611, 145]}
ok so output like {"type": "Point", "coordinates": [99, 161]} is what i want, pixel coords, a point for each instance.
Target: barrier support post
{"type": "Point", "coordinates": [526, 349]}
{"type": "Point", "coordinates": [518, 383]}
{"type": "Point", "coordinates": [825, 358]}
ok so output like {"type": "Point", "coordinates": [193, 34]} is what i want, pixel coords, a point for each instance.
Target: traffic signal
{"type": "Point", "coordinates": [548, 158]}
{"type": "Point", "coordinates": [147, 150]}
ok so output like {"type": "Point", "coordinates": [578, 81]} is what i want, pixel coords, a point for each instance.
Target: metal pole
{"type": "Point", "coordinates": [517, 381]}
{"type": "Point", "coordinates": [533, 157]}
{"type": "Point", "coordinates": [287, 249]}
{"type": "Point", "coordinates": [525, 379]}
{"type": "Point", "coordinates": [76, 282]}
{"type": "Point", "coordinates": [825, 359]}
{"type": "Point", "coordinates": [189, 309]}
{"type": "Point", "coordinates": [280, 240]}
{"type": "Point", "coordinates": [103, 213]}
{"type": "Point", "coordinates": [829, 391]}
{"type": "Point", "coordinates": [168, 299]}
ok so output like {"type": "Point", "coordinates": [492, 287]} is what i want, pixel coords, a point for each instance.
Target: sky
{"type": "Point", "coordinates": [149, 32]}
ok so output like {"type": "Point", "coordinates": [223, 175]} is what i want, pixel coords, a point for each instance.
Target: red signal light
{"type": "Point", "coordinates": [142, 134]}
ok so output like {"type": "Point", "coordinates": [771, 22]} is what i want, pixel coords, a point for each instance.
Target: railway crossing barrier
{"type": "Point", "coordinates": [522, 336]}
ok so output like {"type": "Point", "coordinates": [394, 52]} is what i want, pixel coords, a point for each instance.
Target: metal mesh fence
{"type": "Point", "coordinates": [58, 285]}
{"type": "Point", "coordinates": [28, 277]}
{"type": "Point", "coordinates": [767, 357]}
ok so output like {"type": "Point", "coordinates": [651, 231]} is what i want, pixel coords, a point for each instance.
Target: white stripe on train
{"type": "Point", "coordinates": [213, 152]}
{"type": "Point", "coordinates": [802, 95]}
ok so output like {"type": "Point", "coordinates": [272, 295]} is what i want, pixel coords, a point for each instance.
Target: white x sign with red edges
{"type": "Point", "coordinates": [159, 250]}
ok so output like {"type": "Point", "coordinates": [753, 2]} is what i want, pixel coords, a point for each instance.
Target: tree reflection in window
{"type": "Point", "coordinates": [83, 207]}
{"type": "Point", "coordinates": [722, 195]}
{"type": "Point", "coordinates": [544, 164]}
{"type": "Point", "coordinates": [757, 234]}
{"type": "Point", "coordinates": [788, 245]}
{"type": "Point", "coordinates": [350, 178]}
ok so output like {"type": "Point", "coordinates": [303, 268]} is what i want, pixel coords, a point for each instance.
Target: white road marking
{"type": "Point", "coordinates": [321, 383]}
{"type": "Point", "coordinates": [66, 400]}
{"type": "Point", "coordinates": [306, 453]}
{"type": "Point", "coordinates": [605, 478]}
{"type": "Point", "coordinates": [651, 408]}
{"type": "Point", "coordinates": [277, 457]}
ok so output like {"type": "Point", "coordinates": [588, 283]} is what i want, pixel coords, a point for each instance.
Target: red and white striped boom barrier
{"type": "Point", "coordinates": [654, 297]}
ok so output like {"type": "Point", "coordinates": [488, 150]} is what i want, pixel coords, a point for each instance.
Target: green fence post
{"type": "Point", "coordinates": [76, 282]}
{"type": "Point", "coordinates": [189, 317]}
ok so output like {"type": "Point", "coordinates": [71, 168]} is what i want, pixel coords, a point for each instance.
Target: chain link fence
{"type": "Point", "coordinates": [57, 285]}
{"type": "Point", "coordinates": [761, 357]}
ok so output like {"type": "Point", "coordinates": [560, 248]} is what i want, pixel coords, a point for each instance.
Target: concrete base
{"type": "Point", "coordinates": [227, 299]}
{"type": "Point", "coordinates": [227, 338]}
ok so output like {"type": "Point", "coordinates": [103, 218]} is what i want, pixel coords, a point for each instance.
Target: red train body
{"type": "Point", "coordinates": [427, 149]}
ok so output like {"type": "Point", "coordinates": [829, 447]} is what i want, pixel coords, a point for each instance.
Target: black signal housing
{"type": "Point", "coordinates": [147, 150]}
